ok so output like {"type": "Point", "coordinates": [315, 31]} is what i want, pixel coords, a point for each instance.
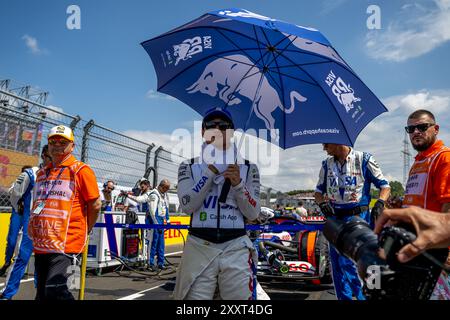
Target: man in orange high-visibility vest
{"type": "Point", "coordinates": [429, 178]}
{"type": "Point", "coordinates": [65, 209]}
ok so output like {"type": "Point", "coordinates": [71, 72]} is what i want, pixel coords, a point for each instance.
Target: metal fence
{"type": "Point", "coordinates": [26, 120]}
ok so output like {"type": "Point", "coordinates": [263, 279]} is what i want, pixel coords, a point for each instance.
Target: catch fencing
{"type": "Point", "coordinates": [26, 121]}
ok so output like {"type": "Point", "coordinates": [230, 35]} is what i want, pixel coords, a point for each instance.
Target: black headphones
{"type": "Point", "coordinates": [106, 184]}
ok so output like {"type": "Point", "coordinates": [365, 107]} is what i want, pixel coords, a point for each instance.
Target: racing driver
{"type": "Point", "coordinates": [219, 258]}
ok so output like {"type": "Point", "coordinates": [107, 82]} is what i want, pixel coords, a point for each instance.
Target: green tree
{"type": "Point", "coordinates": [397, 189]}
{"type": "Point", "coordinates": [294, 192]}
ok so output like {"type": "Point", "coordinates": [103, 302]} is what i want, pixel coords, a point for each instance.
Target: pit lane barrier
{"type": "Point", "coordinates": [263, 227]}
{"type": "Point", "coordinates": [110, 226]}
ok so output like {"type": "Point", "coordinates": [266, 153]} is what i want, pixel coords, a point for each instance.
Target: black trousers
{"type": "Point", "coordinates": [52, 274]}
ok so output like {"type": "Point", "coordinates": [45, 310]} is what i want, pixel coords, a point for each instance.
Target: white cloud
{"type": "Point", "coordinates": [159, 139]}
{"type": "Point", "coordinates": [417, 31]}
{"type": "Point", "coordinates": [152, 94]}
{"type": "Point", "coordinates": [383, 137]}
{"type": "Point", "coordinates": [438, 101]}
{"type": "Point", "coordinates": [33, 45]}
{"type": "Point", "coordinates": [330, 5]}
{"type": "Point", "coordinates": [54, 115]}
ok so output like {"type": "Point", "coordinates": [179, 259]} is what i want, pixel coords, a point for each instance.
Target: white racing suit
{"type": "Point", "coordinates": [218, 256]}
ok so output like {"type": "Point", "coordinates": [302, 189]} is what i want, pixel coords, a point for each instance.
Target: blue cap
{"type": "Point", "coordinates": [220, 113]}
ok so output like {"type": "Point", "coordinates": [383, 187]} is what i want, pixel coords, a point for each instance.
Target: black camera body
{"type": "Point", "coordinates": [386, 278]}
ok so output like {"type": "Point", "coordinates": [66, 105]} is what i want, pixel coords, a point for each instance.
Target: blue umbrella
{"type": "Point", "coordinates": [284, 80]}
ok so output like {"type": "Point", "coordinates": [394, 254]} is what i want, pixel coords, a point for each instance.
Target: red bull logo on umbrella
{"type": "Point", "coordinates": [238, 77]}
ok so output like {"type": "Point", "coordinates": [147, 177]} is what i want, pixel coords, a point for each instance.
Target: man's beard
{"type": "Point", "coordinates": [422, 147]}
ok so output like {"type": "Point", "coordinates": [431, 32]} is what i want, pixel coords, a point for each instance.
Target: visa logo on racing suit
{"type": "Point", "coordinates": [343, 92]}
{"type": "Point", "coordinates": [211, 202]}
{"type": "Point", "coordinates": [348, 181]}
{"type": "Point", "coordinates": [207, 202]}
{"type": "Point", "coordinates": [200, 184]}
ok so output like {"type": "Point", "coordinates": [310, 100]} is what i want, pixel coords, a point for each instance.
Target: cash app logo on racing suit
{"type": "Point", "coordinates": [203, 216]}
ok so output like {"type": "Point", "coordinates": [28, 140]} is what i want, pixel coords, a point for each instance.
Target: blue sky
{"type": "Point", "coordinates": [102, 72]}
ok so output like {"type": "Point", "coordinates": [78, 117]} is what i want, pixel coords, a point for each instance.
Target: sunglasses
{"type": "Point", "coordinates": [59, 142]}
{"type": "Point", "coordinates": [421, 127]}
{"type": "Point", "coordinates": [221, 125]}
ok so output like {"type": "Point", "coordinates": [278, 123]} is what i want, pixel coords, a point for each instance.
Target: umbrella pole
{"type": "Point", "coordinates": [227, 184]}
{"type": "Point", "coordinates": [241, 140]}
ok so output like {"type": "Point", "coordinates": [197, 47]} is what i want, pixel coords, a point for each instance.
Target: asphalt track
{"type": "Point", "coordinates": [117, 284]}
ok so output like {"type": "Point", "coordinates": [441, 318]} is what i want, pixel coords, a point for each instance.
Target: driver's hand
{"type": "Point", "coordinates": [233, 173]}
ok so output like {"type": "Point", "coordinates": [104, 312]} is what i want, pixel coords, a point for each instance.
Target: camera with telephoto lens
{"type": "Point", "coordinates": [386, 279]}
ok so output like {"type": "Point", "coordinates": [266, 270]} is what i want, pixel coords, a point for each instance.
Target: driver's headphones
{"type": "Point", "coordinates": [106, 184]}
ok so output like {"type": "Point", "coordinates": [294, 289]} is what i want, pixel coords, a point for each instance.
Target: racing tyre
{"type": "Point", "coordinates": [322, 250]}
{"type": "Point", "coordinates": [313, 248]}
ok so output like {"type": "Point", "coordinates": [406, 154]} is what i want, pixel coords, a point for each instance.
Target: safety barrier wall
{"type": "Point", "coordinates": [174, 234]}
{"type": "Point", "coordinates": [4, 225]}
{"type": "Point", "coordinates": [171, 236]}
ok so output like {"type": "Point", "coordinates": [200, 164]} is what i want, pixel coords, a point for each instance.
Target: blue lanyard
{"type": "Point", "coordinates": [53, 184]}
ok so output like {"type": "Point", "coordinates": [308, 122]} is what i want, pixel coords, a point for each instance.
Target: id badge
{"type": "Point", "coordinates": [39, 208]}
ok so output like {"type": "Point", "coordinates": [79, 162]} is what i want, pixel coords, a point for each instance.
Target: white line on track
{"type": "Point", "coordinates": [21, 281]}
{"type": "Point", "coordinates": [140, 293]}
{"type": "Point", "coordinates": [173, 253]}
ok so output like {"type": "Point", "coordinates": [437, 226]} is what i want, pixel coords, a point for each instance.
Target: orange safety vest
{"type": "Point", "coordinates": [419, 191]}
{"type": "Point", "coordinates": [55, 191]}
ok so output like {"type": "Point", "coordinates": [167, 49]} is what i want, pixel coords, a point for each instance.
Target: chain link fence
{"type": "Point", "coordinates": [26, 120]}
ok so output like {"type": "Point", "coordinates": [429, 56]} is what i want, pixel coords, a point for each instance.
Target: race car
{"type": "Point", "coordinates": [300, 254]}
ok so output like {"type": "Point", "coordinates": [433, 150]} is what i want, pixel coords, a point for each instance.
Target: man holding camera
{"type": "Point", "coordinates": [429, 178]}
{"type": "Point", "coordinates": [432, 229]}
{"type": "Point", "coordinates": [342, 192]}
{"type": "Point", "coordinates": [106, 196]}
